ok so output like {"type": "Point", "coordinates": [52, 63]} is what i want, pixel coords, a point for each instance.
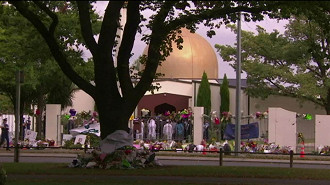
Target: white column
{"type": "Point", "coordinates": [53, 123]}
{"type": "Point", "coordinates": [282, 127]}
{"type": "Point", "coordinates": [198, 125]}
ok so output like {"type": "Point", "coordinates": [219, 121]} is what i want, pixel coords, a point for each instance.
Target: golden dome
{"type": "Point", "coordinates": [196, 56]}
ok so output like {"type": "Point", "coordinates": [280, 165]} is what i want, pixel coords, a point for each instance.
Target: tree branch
{"type": "Point", "coordinates": [86, 26]}
{"type": "Point", "coordinates": [214, 13]}
{"type": "Point", "coordinates": [109, 26]}
{"type": "Point", "coordinates": [50, 14]}
{"type": "Point", "coordinates": [285, 92]}
{"type": "Point", "coordinates": [54, 47]}
{"type": "Point", "coordinates": [314, 71]}
{"type": "Point", "coordinates": [158, 34]}
{"type": "Point", "coordinates": [124, 53]}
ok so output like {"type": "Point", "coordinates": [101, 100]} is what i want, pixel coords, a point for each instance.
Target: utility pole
{"type": "Point", "coordinates": [19, 80]}
{"type": "Point", "coordinates": [238, 88]}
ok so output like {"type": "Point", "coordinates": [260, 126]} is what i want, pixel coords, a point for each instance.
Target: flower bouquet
{"type": "Point", "coordinates": [127, 157]}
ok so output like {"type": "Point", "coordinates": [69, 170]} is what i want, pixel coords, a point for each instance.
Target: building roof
{"type": "Point", "coordinates": [232, 82]}
{"type": "Point", "coordinates": [196, 56]}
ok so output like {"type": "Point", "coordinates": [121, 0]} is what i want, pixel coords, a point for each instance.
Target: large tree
{"type": "Point", "coordinates": [294, 64]}
{"type": "Point", "coordinates": [22, 48]}
{"type": "Point", "coordinates": [116, 103]}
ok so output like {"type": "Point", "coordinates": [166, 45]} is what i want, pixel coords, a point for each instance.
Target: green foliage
{"type": "Point", "coordinates": [294, 64]}
{"type": "Point", "coordinates": [70, 144]}
{"type": "Point", "coordinates": [204, 95]}
{"type": "Point", "coordinates": [5, 105]}
{"type": "Point", "coordinates": [225, 102]}
{"type": "Point", "coordinates": [224, 95]}
{"type": "Point", "coordinates": [93, 140]}
{"type": "Point", "coordinates": [22, 48]}
{"type": "Point", "coordinates": [3, 175]}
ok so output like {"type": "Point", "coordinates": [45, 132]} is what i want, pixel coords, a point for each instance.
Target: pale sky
{"type": "Point", "coordinates": [223, 36]}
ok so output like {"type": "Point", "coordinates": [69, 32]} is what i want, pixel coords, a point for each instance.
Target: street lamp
{"type": "Point", "coordinates": [238, 88]}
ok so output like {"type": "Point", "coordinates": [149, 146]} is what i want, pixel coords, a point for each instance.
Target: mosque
{"type": "Point", "coordinates": [183, 71]}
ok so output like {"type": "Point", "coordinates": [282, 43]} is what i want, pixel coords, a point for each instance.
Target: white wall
{"type": "Point", "coordinates": [181, 88]}
{"type": "Point", "coordinates": [304, 126]}
{"type": "Point", "coordinates": [322, 128]}
{"type": "Point", "coordinates": [53, 122]}
{"type": "Point", "coordinates": [282, 127]}
{"type": "Point", "coordinates": [81, 102]}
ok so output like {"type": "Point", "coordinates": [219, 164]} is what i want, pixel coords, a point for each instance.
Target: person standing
{"type": "Point", "coordinates": [28, 124]}
{"type": "Point", "coordinates": [167, 131]}
{"type": "Point", "coordinates": [5, 133]}
{"type": "Point", "coordinates": [152, 129]}
{"type": "Point", "coordinates": [70, 124]}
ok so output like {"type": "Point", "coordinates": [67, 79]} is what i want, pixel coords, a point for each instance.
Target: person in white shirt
{"type": "Point", "coordinates": [167, 131]}
{"type": "Point", "coordinates": [152, 129]}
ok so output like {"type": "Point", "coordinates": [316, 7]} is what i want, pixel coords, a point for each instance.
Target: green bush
{"type": "Point", "coordinates": [94, 140]}
{"type": "Point", "coordinates": [3, 176]}
{"type": "Point", "coordinates": [68, 143]}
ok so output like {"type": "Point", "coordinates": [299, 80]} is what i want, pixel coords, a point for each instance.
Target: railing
{"type": "Point", "coordinates": [221, 152]}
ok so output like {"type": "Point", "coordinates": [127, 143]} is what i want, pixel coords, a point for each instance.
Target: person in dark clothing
{"type": "Point", "coordinates": [70, 124]}
{"type": "Point", "coordinates": [4, 133]}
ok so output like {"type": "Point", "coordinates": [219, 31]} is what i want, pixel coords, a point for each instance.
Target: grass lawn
{"type": "Point", "coordinates": [54, 173]}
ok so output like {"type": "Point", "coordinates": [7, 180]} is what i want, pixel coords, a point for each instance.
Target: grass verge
{"type": "Point", "coordinates": [33, 172]}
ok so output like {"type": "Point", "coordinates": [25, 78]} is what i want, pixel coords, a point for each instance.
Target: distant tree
{"type": "Point", "coordinates": [6, 107]}
{"type": "Point", "coordinates": [295, 64]}
{"type": "Point", "coordinates": [225, 102]}
{"type": "Point", "coordinates": [204, 94]}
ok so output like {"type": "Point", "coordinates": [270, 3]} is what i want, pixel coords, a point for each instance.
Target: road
{"type": "Point", "coordinates": [171, 160]}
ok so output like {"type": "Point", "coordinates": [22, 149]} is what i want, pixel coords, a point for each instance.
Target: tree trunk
{"type": "Point", "coordinates": [113, 115]}
{"type": "Point", "coordinates": [327, 105]}
{"type": "Point", "coordinates": [40, 106]}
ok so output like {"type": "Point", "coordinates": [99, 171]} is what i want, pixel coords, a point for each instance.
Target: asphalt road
{"type": "Point", "coordinates": [168, 160]}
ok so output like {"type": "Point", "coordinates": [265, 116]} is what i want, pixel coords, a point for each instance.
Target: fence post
{"type": "Point", "coordinates": [291, 158]}
{"type": "Point", "coordinates": [220, 157]}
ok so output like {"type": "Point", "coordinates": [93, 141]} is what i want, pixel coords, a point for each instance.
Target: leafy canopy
{"type": "Point", "coordinates": [294, 64]}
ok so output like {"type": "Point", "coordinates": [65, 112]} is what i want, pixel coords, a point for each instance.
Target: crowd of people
{"type": "Point", "coordinates": [162, 128]}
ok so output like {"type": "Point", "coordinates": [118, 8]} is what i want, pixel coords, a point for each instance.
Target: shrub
{"type": "Point", "coordinates": [94, 140]}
